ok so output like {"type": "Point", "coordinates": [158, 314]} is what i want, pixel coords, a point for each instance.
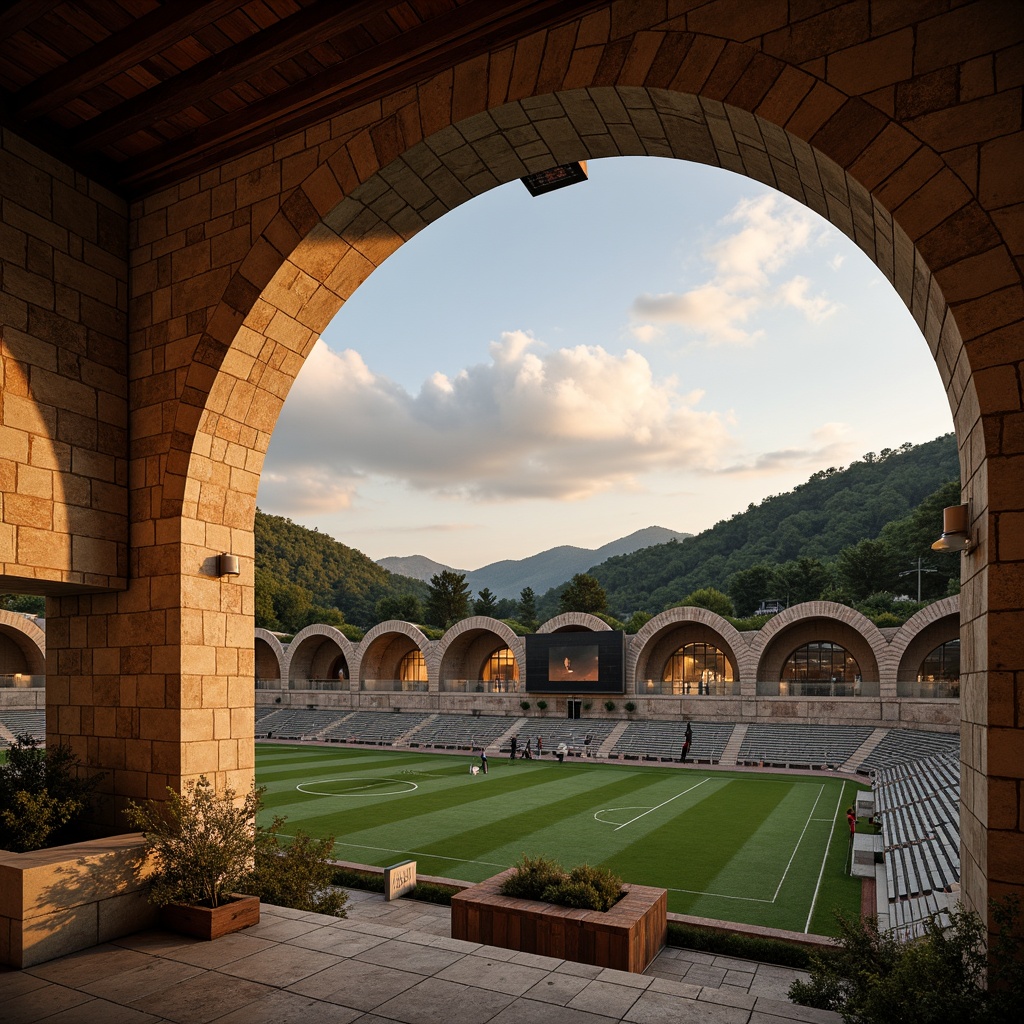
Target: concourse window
{"type": "Point", "coordinates": [942, 665]}
{"type": "Point", "coordinates": [820, 669]}
{"type": "Point", "coordinates": [699, 668]}
{"type": "Point", "coordinates": [413, 668]}
{"type": "Point", "coordinates": [502, 671]}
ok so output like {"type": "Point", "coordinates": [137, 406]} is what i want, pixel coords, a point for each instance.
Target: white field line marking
{"type": "Point", "coordinates": [662, 804]}
{"type": "Point", "coordinates": [418, 853]}
{"type": "Point", "coordinates": [355, 791]}
{"type": "Point", "coordinates": [803, 832]}
{"type": "Point", "coordinates": [720, 895]}
{"type": "Point", "coordinates": [824, 858]}
{"type": "Point", "coordinates": [606, 810]}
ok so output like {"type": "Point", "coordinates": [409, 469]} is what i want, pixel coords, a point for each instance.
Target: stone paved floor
{"type": "Point", "coordinates": [386, 962]}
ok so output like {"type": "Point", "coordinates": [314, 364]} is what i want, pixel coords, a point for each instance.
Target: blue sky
{"type": "Point", "coordinates": [660, 345]}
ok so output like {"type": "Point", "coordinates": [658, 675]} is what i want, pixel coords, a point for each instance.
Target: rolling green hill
{"type": "Point", "coordinates": [304, 576]}
{"type": "Point", "coordinates": [834, 511]}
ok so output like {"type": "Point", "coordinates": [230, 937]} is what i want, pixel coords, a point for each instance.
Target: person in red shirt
{"type": "Point", "coordinates": [852, 819]}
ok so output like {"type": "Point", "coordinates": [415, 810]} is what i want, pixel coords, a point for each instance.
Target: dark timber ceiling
{"type": "Point", "coordinates": [139, 93]}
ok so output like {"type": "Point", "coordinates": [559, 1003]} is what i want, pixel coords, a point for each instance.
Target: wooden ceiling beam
{"type": "Point", "coordinates": [21, 14]}
{"type": "Point", "coordinates": [144, 38]}
{"type": "Point", "coordinates": [252, 56]}
{"type": "Point", "coordinates": [415, 56]}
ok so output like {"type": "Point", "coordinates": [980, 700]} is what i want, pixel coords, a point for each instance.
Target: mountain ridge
{"type": "Point", "coordinates": [508, 577]}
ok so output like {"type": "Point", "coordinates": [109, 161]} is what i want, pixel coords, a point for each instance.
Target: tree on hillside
{"type": "Point", "coordinates": [528, 608]}
{"type": "Point", "coordinates": [710, 598]}
{"type": "Point", "coordinates": [804, 579]}
{"type": "Point", "coordinates": [636, 622]}
{"type": "Point", "coordinates": [866, 568]}
{"type": "Point", "coordinates": [583, 593]}
{"type": "Point", "coordinates": [485, 603]}
{"type": "Point", "coordinates": [749, 587]}
{"type": "Point", "coordinates": [448, 600]}
{"type": "Point", "coordinates": [406, 607]}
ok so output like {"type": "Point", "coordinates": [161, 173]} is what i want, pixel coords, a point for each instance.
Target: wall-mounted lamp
{"type": "Point", "coordinates": [956, 530]}
{"type": "Point", "coordinates": [227, 565]}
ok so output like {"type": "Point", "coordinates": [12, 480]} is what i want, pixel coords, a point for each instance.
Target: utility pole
{"type": "Point", "coordinates": [920, 569]}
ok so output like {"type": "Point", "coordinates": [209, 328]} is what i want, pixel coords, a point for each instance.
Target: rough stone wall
{"type": "Point", "coordinates": [63, 377]}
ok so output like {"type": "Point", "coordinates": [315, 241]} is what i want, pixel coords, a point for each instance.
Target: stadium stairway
{"type": "Point", "coordinates": [731, 753]}
{"type": "Point", "coordinates": [403, 740]}
{"type": "Point", "coordinates": [856, 759]}
{"type": "Point", "coordinates": [609, 744]}
{"type": "Point", "coordinates": [506, 736]}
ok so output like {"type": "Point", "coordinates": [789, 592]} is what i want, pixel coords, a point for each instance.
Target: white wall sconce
{"type": "Point", "coordinates": [956, 530]}
{"type": "Point", "coordinates": [227, 565]}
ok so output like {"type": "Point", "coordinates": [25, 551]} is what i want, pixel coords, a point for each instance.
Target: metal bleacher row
{"type": "Point", "coordinates": [901, 745]}
{"type": "Point", "coordinates": [19, 722]}
{"type": "Point", "coordinates": [918, 805]}
{"type": "Point", "coordinates": [801, 746]}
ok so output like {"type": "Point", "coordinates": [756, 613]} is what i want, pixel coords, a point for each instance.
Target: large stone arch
{"type": "Point", "coordinates": [314, 653]}
{"type": "Point", "coordinates": [384, 646]}
{"type": "Point", "coordinates": [819, 620]}
{"type": "Point", "coordinates": [463, 649]}
{"type": "Point", "coordinates": [270, 658]}
{"type": "Point", "coordinates": [22, 646]}
{"type": "Point", "coordinates": [921, 634]}
{"type": "Point", "coordinates": [686, 624]}
{"type": "Point", "coordinates": [568, 622]}
{"type": "Point", "coordinates": [849, 111]}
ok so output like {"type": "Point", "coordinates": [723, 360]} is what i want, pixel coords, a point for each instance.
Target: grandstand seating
{"type": "Point", "coordinates": [382, 728]}
{"type": "Point", "coordinates": [17, 722]}
{"type": "Point", "coordinates": [918, 805]}
{"type": "Point", "coordinates": [459, 732]}
{"type": "Point", "coordinates": [901, 745]}
{"type": "Point", "coordinates": [664, 740]}
{"type": "Point", "coordinates": [801, 746]}
{"type": "Point", "coordinates": [297, 723]}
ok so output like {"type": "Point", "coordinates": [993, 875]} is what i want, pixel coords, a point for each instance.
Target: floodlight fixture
{"type": "Point", "coordinates": [956, 530]}
{"type": "Point", "coordinates": [555, 177]}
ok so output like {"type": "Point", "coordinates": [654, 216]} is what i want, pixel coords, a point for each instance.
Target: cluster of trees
{"type": "Point", "coordinates": [845, 535]}
{"type": "Point", "coordinates": [304, 576]}
{"type": "Point", "coordinates": [851, 535]}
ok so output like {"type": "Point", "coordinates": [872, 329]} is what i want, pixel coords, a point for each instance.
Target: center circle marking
{"type": "Point", "coordinates": [369, 787]}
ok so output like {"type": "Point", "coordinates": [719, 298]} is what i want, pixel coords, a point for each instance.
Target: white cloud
{"type": "Point", "coordinates": [763, 236]}
{"type": "Point", "coordinates": [645, 333]}
{"type": "Point", "coordinates": [563, 424]}
{"type": "Point", "coordinates": [816, 308]}
{"type": "Point", "coordinates": [828, 445]}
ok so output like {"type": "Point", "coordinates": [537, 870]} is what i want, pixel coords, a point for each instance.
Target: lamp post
{"type": "Point", "coordinates": [919, 570]}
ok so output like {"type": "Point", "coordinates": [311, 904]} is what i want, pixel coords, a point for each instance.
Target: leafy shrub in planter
{"type": "Point", "coordinates": [630, 707]}
{"type": "Point", "coordinates": [542, 705]}
{"type": "Point", "coordinates": [584, 887]}
{"type": "Point", "coordinates": [525, 705]}
{"type": "Point", "coordinates": [532, 878]}
{"type": "Point", "coordinates": [203, 843]}
{"type": "Point", "coordinates": [43, 796]}
{"type": "Point", "coordinates": [609, 705]}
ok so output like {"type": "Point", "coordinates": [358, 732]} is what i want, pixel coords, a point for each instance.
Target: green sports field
{"type": "Point", "coordinates": [760, 849]}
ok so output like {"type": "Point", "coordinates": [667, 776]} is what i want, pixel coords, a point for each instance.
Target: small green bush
{"type": "Point", "coordinates": [525, 705]}
{"type": "Point", "coordinates": [435, 892]}
{"type": "Point", "coordinates": [747, 947]}
{"type": "Point", "coordinates": [44, 795]}
{"type": "Point", "coordinates": [585, 887]}
{"type": "Point", "coordinates": [352, 878]}
{"type": "Point", "coordinates": [630, 707]}
{"type": "Point", "coordinates": [542, 705]}
{"type": "Point", "coordinates": [873, 978]}
{"type": "Point", "coordinates": [203, 843]}
{"type": "Point", "coordinates": [533, 875]}
{"type": "Point", "coordinates": [609, 705]}
{"type": "Point", "coordinates": [297, 874]}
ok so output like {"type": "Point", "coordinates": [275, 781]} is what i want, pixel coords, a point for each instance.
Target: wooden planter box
{"type": "Point", "coordinates": [212, 922]}
{"type": "Point", "coordinates": [626, 938]}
